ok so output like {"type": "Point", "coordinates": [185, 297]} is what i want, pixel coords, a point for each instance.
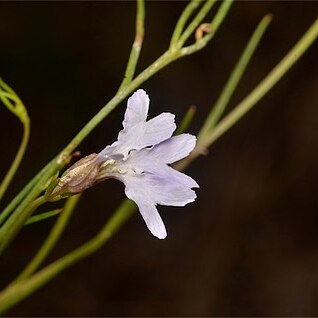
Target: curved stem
{"type": "Point", "coordinates": [183, 20]}
{"type": "Point", "coordinates": [196, 21]}
{"type": "Point", "coordinates": [17, 160]}
{"type": "Point", "coordinates": [215, 24]}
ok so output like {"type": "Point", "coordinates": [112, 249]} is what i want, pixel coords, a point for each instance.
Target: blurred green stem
{"type": "Point", "coordinates": [186, 120]}
{"type": "Point", "coordinates": [15, 222]}
{"type": "Point", "coordinates": [235, 77]}
{"type": "Point", "coordinates": [17, 160]}
{"type": "Point", "coordinates": [22, 194]}
{"type": "Point", "coordinates": [20, 290]}
{"type": "Point", "coordinates": [265, 85]}
{"type": "Point", "coordinates": [14, 104]}
{"type": "Point", "coordinates": [43, 216]}
{"type": "Point", "coordinates": [52, 238]}
{"type": "Point", "coordinates": [261, 89]}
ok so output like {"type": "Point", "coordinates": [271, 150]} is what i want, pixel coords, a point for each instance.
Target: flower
{"type": "Point", "coordinates": [140, 158]}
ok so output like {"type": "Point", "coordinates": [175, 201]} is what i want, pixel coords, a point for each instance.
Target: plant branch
{"type": "Point", "coordinates": [17, 160]}
{"type": "Point", "coordinates": [190, 8]}
{"type": "Point", "coordinates": [195, 22]}
{"type": "Point", "coordinates": [265, 86]}
{"type": "Point", "coordinates": [14, 104]}
{"type": "Point", "coordinates": [256, 95]}
{"type": "Point", "coordinates": [136, 47]}
{"type": "Point", "coordinates": [235, 77]}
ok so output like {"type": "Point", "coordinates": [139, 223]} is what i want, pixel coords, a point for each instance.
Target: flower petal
{"type": "Point", "coordinates": [145, 134]}
{"type": "Point", "coordinates": [179, 177]}
{"type": "Point", "coordinates": [161, 189]}
{"type": "Point", "coordinates": [137, 109]}
{"type": "Point", "coordinates": [166, 191]}
{"type": "Point", "coordinates": [147, 208]}
{"type": "Point", "coordinates": [174, 148]}
{"type": "Point", "coordinates": [139, 133]}
{"type": "Point", "coordinates": [166, 152]}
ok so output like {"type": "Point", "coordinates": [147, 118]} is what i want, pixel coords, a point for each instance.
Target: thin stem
{"type": "Point", "coordinates": [235, 77]}
{"type": "Point", "coordinates": [42, 216]}
{"type": "Point", "coordinates": [215, 24]}
{"type": "Point", "coordinates": [265, 85]}
{"type": "Point", "coordinates": [52, 238]}
{"type": "Point", "coordinates": [16, 292]}
{"type": "Point", "coordinates": [189, 9]}
{"type": "Point", "coordinates": [259, 91]}
{"type": "Point", "coordinates": [17, 160]}
{"type": "Point", "coordinates": [186, 120]}
{"type": "Point", "coordinates": [136, 47]}
{"type": "Point", "coordinates": [22, 194]}
{"type": "Point", "coordinates": [196, 21]}
{"type": "Point", "coordinates": [14, 104]}
{"type": "Point", "coordinates": [16, 222]}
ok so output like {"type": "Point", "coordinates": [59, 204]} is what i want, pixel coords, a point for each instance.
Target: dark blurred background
{"type": "Point", "coordinates": [248, 246]}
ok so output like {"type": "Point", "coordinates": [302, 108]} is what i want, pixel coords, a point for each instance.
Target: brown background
{"type": "Point", "coordinates": [248, 245]}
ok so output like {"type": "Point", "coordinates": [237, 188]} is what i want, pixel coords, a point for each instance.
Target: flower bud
{"type": "Point", "coordinates": [80, 176]}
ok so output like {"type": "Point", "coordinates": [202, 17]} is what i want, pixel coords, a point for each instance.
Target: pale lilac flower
{"type": "Point", "coordinates": [140, 158]}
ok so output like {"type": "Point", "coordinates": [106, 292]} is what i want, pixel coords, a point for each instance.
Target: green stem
{"type": "Point", "coordinates": [22, 194]}
{"type": "Point", "coordinates": [52, 238]}
{"type": "Point", "coordinates": [14, 104]}
{"type": "Point", "coordinates": [186, 120]}
{"type": "Point", "coordinates": [17, 160]}
{"type": "Point", "coordinates": [215, 24]}
{"type": "Point", "coordinates": [190, 8]}
{"type": "Point", "coordinates": [42, 216]}
{"type": "Point", "coordinates": [16, 222]}
{"type": "Point", "coordinates": [136, 47]}
{"type": "Point", "coordinates": [265, 85]}
{"type": "Point", "coordinates": [16, 292]}
{"type": "Point", "coordinates": [196, 22]}
{"type": "Point", "coordinates": [259, 91]}
{"type": "Point", "coordinates": [235, 77]}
